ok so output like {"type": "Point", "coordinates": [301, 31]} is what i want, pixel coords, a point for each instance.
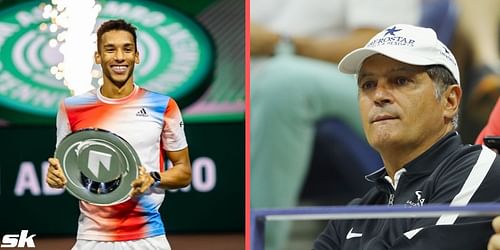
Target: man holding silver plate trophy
{"type": "Point", "coordinates": [109, 151]}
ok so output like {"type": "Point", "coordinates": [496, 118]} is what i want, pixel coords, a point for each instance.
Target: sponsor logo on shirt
{"type": "Point", "coordinates": [351, 235]}
{"type": "Point", "coordinates": [142, 113]}
{"type": "Point", "coordinates": [418, 202]}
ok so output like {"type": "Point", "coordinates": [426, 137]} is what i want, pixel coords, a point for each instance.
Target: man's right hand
{"type": "Point", "coordinates": [55, 175]}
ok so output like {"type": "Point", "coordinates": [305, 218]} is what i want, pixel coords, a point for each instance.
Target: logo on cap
{"type": "Point", "coordinates": [446, 53]}
{"type": "Point", "coordinates": [393, 40]}
{"type": "Point", "coordinates": [391, 31]}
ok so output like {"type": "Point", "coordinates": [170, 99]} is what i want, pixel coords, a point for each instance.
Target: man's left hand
{"type": "Point", "coordinates": [142, 183]}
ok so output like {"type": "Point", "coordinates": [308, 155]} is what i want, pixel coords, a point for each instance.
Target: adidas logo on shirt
{"type": "Point", "coordinates": [142, 113]}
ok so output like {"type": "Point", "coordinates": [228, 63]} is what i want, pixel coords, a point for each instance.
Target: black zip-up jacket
{"type": "Point", "coordinates": [447, 173]}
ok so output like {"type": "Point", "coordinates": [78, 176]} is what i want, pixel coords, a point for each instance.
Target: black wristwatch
{"type": "Point", "coordinates": [156, 177]}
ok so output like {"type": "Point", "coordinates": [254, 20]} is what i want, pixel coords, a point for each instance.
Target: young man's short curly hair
{"type": "Point", "coordinates": [117, 24]}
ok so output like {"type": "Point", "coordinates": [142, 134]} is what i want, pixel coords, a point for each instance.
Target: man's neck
{"type": "Point", "coordinates": [396, 161]}
{"type": "Point", "coordinates": [397, 156]}
{"type": "Point", "coordinates": [110, 90]}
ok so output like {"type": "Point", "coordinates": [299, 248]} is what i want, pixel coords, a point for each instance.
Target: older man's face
{"type": "Point", "coordinates": [398, 105]}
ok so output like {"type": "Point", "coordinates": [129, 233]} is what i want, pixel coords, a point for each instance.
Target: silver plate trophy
{"type": "Point", "coordinates": [99, 166]}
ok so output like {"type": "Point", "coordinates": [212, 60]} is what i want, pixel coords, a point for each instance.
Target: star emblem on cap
{"type": "Point", "coordinates": [391, 31]}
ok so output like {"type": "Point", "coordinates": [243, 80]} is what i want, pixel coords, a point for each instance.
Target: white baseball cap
{"type": "Point", "coordinates": [405, 43]}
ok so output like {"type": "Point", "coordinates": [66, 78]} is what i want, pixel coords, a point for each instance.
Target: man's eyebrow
{"type": "Point", "coordinates": [109, 45]}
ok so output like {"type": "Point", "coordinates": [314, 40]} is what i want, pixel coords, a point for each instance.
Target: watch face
{"type": "Point", "coordinates": [156, 176]}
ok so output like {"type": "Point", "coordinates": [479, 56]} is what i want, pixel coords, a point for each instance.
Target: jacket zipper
{"type": "Point", "coordinates": [391, 199]}
{"type": "Point", "coordinates": [393, 191]}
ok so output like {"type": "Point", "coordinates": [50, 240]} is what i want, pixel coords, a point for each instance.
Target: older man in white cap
{"type": "Point", "coordinates": [409, 94]}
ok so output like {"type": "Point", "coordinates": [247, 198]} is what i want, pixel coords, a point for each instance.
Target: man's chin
{"type": "Point", "coordinates": [119, 83]}
{"type": "Point", "coordinates": [382, 140]}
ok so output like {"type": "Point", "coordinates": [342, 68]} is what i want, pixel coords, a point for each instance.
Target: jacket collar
{"type": "Point", "coordinates": [425, 163]}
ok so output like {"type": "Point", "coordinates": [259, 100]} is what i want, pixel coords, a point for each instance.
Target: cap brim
{"type": "Point", "coordinates": [351, 63]}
